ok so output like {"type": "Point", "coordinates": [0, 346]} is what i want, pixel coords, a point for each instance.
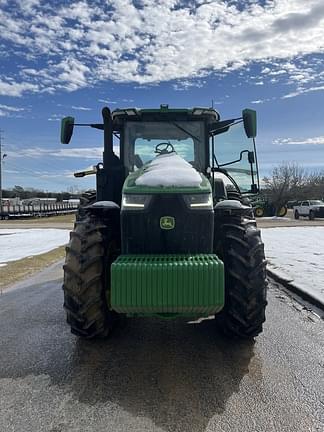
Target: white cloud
{"type": "Point", "coordinates": [10, 111]}
{"type": "Point", "coordinates": [158, 41]}
{"type": "Point", "coordinates": [105, 101]}
{"type": "Point", "coordinates": [16, 89]}
{"type": "Point", "coordinates": [304, 141]}
{"type": "Point", "coordinates": [261, 101]}
{"type": "Point", "coordinates": [187, 84]}
{"type": "Point", "coordinates": [11, 108]}
{"type": "Point", "coordinates": [38, 152]}
{"type": "Point", "coordinates": [300, 91]}
{"type": "Point", "coordinates": [81, 108]}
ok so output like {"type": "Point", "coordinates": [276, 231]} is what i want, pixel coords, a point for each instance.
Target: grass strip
{"type": "Point", "coordinates": [14, 271]}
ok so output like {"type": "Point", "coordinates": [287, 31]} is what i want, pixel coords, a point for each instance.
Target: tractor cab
{"type": "Point", "coordinates": [217, 149]}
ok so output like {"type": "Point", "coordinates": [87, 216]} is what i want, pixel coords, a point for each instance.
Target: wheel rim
{"type": "Point", "coordinates": [259, 212]}
{"type": "Point", "coordinates": [282, 212]}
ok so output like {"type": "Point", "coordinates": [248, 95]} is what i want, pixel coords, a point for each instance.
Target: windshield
{"type": "Point", "coordinates": [228, 147]}
{"type": "Point", "coordinates": [141, 139]}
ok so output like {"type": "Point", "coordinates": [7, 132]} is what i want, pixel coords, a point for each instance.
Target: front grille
{"type": "Point", "coordinates": [142, 234]}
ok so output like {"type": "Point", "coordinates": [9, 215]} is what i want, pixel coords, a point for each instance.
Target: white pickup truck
{"type": "Point", "coordinates": [310, 209]}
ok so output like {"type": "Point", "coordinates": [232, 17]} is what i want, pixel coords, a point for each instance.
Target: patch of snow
{"type": "Point", "coordinates": [3, 265]}
{"type": "Point", "coordinates": [298, 254]}
{"type": "Point", "coordinates": [16, 244]}
{"type": "Point", "coordinates": [169, 170]}
{"type": "Point", "coordinates": [276, 218]}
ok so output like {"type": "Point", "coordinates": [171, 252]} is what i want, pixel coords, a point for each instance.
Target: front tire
{"type": "Point", "coordinates": [84, 280]}
{"type": "Point", "coordinates": [296, 214]}
{"type": "Point", "coordinates": [311, 215]}
{"type": "Point", "coordinates": [242, 252]}
{"type": "Point", "coordinates": [259, 212]}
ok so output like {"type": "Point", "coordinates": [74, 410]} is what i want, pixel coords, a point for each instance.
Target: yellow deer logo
{"type": "Point", "coordinates": [167, 222]}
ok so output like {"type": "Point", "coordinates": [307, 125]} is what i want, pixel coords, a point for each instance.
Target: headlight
{"type": "Point", "coordinates": [199, 201]}
{"type": "Point", "coordinates": [135, 202]}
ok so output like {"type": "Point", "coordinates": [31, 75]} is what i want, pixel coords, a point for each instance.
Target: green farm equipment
{"type": "Point", "coordinates": [263, 207]}
{"type": "Point", "coordinates": [167, 232]}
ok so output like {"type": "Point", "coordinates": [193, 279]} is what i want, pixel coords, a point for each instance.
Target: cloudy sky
{"type": "Point", "coordinates": [74, 57]}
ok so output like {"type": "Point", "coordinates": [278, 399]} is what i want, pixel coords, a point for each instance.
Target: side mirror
{"type": "Point", "coordinates": [67, 125]}
{"type": "Point", "coordinates": [250, 122]}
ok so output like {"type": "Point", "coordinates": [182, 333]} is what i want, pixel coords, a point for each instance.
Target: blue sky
{"type": "Point", "coordinates": [74, 57]}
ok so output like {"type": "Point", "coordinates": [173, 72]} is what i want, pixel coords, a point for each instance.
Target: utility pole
{"type": "Point", "coordinates": [0, 174]}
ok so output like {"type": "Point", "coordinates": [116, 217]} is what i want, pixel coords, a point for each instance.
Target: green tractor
{"type": "Point", "coordinates": [167, 232]}
{"type": "Point", "coordinates": [263, 207]}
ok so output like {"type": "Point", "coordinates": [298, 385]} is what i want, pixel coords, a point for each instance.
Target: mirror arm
{"type": "Point", "coordinates": [85, 173]}
{"type": "Point", "coordinates": [93, 125]}
{"type": "Point", "coordinates": [256, 164]}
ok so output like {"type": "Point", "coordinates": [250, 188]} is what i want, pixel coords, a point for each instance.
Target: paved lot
{"type": "Point", "coordinates": [288, 221]}
{"type": "Point", "coordinates": [156, 375]}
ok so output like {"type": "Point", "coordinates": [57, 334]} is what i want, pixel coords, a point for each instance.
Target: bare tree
{"type": "Point", "coordinates": [286, 182]}
{"type": "Point", "coordinates": [314, 187]}
{"type": "Point", "coordinates": [289, 181]}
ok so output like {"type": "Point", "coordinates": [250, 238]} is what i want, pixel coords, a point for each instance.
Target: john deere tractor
{"type": "Point", "coordinates": [167, 232]}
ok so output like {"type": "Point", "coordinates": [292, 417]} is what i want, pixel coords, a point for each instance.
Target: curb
{"type": "Point", "coordinates": [289, 284]}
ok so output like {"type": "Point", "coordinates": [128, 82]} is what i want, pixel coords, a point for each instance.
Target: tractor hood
{"type": "Point", "coordinates": [168, 173]}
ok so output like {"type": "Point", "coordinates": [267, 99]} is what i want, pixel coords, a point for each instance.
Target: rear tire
{"type": "Point", "coordinates": [259, 212]}
{"type": "Point", "coordinates": [296, 214]}
{"type": "Point", "coordinates": [87, 198]}
{"type": "Point", "coordinates": [311, 215]}
{"type": "Point", "coordinates": [282, 211]}
{"type": "Point", "coordinates": [242, 252]}
{"type": "Point", "coordinates": [85, 283]}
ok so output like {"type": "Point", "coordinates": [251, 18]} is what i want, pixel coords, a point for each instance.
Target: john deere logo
{"type": "Point", "coordinates": [167, 222]}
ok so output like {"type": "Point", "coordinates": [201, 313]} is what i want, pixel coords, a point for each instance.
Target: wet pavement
{"type": "Point", "coordinates": [155, 375]}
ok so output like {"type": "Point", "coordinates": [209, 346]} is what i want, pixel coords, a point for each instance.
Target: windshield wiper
{"type": "Point", "coordinates": [185, 131]}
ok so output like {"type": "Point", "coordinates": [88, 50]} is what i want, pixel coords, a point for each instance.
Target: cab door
{"type": "Point", "coordinates": [304, 208]}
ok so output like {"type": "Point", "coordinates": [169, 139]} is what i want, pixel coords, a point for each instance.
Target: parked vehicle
{"type": "Point", "coordinates": [162, 235]}
{"type": "Point", "coordinates": [292, 203]}
{"type": "Point", "coordinates": [262, 206]}
{"type": "Point", "coordinates": [310, 209]}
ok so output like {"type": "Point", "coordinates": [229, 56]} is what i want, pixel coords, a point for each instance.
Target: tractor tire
{"type": "Point", "coordinates": [87, 198]}
{"type": "Point", "coordinates": [282, 211]}
{"type": "Point", "coordinates": [242, 252]}
{"type": "Point", "coordinates": [296, 214]}
{"type": "Point", "coordinates": [234, 195]}
{"type": "Point", "coordinates": [259, 212]}
{"type": "Point", "coordinates": [84, 280]}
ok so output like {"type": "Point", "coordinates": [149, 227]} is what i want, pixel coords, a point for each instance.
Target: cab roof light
{"type": "Point", "coordinates": [201, 111]}
{"type": "Point", "coordinates": [131, 111]}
